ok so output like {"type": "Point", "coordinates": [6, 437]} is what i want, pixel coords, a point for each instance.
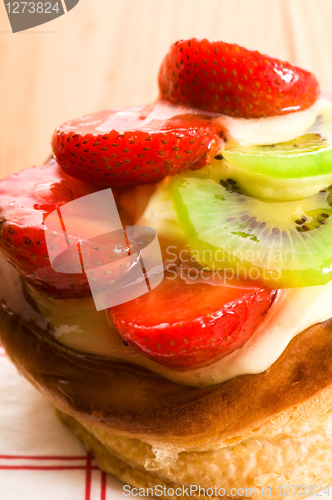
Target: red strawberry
{"type": "Point", "coordinates": [26, 198]}
{"type": "Point", "coordinates": [187, 326]}
{"type": "Point", "coordinates": [128, 146]}
{"type": "Point", "coordinates": [228, 79]}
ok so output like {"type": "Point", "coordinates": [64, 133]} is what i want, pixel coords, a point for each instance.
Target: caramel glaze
{"type": "Point", "coordinates": [130, 400]}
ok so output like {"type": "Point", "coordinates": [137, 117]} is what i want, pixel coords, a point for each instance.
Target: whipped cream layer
{"type": "Point", "coordinates": [76, 324]}
{"type": "Point", "coordinates": [273, 129]}
{"type": "Point", "coordinates": [245, 131]}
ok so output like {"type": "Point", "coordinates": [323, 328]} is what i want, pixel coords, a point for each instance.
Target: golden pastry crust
{"type": "Point", "coordinates": [132, 401]}
{"type": "Point", "coordinates": [109, 462]}
{"type": "Point", "coordinates": [293, 455]}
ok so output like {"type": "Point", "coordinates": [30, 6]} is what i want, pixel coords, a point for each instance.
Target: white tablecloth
{"type": "Point", "coordinates": [40, 459]}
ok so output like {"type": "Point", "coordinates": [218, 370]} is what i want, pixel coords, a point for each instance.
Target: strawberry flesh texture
{"type": "Point", "coordinates": [125, 147]}
{"type": "Point", "coordinates": [26, 198]}
{"type": "Point", "coordinates": [186, 326]}
{"type": "Point", "coordinates": [228, 79]}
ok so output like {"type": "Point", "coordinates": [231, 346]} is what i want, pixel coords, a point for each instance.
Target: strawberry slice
{"type": "Point", "coordinates": [26, 198]}
{"type": "Point", "coordinates": [228, 79]}
{"type": "Point", "coordinates": [124, 147]}
{"type": "Point", "coordinates": [186, 326]}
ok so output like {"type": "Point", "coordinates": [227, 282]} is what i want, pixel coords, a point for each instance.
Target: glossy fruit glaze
{"type": "Point", "coordinates": [125, 147]}
{"type": "Point", "coordinates": [26, 199]}
{"type": "Point", "coordinates": [187, 325]}
{"type": "Point", "coordinates": [228, 79]}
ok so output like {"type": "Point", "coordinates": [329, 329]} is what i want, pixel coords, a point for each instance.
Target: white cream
{"type": "Point", "coordinates": [78, 325]}
{"type": "Point", "coordinates": [274, 128]}
{"type": "Point", "coordinates": [245, 131]}
{"type": "Point", "coordinates": [251, 131]}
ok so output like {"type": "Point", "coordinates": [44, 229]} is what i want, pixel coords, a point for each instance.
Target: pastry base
{"type": "Point", "coordinates": [112, 464]}
{"type": "Point", "coordinates": [299, 454]}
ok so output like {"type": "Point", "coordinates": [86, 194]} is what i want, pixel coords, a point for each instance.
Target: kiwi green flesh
{"type": "Point", "coordinates": [263, 186]}
{"type": "Point", "coordinates": [284, 244]}
{"type": "Point", "coordinates": [305, 156]}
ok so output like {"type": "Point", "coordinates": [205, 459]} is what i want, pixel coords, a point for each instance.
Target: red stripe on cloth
{"type": "Point", "coordinates": [88, 478]}
{"type": "Point", "coordinates": [43, 457]}
{"type": "Point", "coordinates": [50, 467]}
{"type": "Point", "coordinates": [103, 486]}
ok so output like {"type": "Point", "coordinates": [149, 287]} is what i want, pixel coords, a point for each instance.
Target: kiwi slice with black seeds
{"type": "Point", "coordinates": [286, 244]}
{"type": "Point", "coordinates": [262, 186]}
{"type": "Point", "coordinates": [285, 171]}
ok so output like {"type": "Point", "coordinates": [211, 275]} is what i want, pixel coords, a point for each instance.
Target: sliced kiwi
{"type": "Point", "coordinates": [284, 171]}
{"type": "Point", "coordinates": [287, 244]}
{"type": "Point", "coordinates": [263, 186]}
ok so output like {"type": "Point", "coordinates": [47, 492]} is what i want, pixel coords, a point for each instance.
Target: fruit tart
{"type": "Point", "coordinates": [166, 279]}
